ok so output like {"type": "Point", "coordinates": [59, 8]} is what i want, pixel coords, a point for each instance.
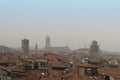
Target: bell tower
{"type": "Point", "coordinates": [25, 47]}
{"type": "Point", "coordinates": [94, 48]}
{"type": "Point", "coordinates": [47, 42]}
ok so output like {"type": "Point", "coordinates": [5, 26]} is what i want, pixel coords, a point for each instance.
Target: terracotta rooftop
{"type": "Point", "coordinates": [86, 65]}
{"type": "Point", "coordinates": [57, 64]}
{"type": "Point", "coordinates": [55, 72]}
{"type": "Point", "coordinates": [113, 72]}
{"type": "Point", "coordinates": [15, 68]}
{"type": "Point", "coordinates": [84, 77]}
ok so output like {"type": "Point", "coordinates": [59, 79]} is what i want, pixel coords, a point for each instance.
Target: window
{"type": "Point", "coordinates": [43, 64]}
{"type": "Point", "coordinates": [89, 71]}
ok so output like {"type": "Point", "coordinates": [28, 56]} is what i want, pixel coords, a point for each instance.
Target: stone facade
{"type": "Point", "coordinates": [25, 47]}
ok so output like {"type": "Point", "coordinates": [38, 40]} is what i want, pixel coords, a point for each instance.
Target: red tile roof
{"type": "Point", "coordinates": [57, 64]}
{"type": "Point", "coordinates": [86, 65]}
{"type": "Point", "coordinates": [55, 72]}
{"type": "Point", "coordinates": [15, 68]}
{"type": "Point", "coordinates": [84, 77]}
{"type": "Point", "coordinates": [113, 72]}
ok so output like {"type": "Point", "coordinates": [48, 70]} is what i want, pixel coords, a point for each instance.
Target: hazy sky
{"type": "Point", "coordinates": [72, 22]}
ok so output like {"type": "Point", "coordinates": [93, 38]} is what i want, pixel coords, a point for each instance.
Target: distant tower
{"type": "Point", "coordinates": [94, 48]}
{"type": "Point", "coordinates": [47, 42]}
{"type": "Point", "coordinates": [36, 47]}
{"type": "Point", "coordinates": [25, 46]}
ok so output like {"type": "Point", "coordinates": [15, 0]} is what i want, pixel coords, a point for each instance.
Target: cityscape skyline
{"type": "Point", "coordinates": [59, 40]}
{"type": "Point", "coordinates": [33, 45]}
{"type": "Point", "coordinates": [74, 22]}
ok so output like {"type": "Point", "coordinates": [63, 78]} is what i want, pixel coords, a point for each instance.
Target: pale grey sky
{"type": "Point", "coordinates": [72, 22]}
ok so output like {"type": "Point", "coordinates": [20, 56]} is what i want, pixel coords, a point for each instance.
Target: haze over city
{"type": "Point", "coordinates": [59, 40]}
{"type": "Point", "coordinates": [68, 22]}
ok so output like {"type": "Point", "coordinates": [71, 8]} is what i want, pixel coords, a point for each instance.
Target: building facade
{"type": "Point", "coordinates": [4, 49]}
